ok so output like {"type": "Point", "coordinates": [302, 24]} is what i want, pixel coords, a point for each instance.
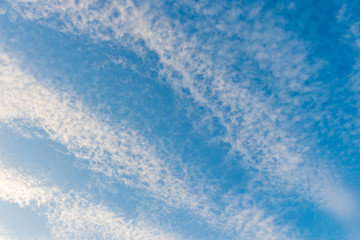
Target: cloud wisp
{"type": "Point", "coordinates": [69, 214]}
{"type": "Point", "coordinates": [253, 125]}
{"type": "Point", "coordinates": [119, 153]}
{"type": "Point", "coordinates": [352, 37]}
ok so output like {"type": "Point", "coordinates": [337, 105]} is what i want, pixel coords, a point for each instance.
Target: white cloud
{"type": "Point", "coordinates": [251, 222]}
{"type": "Point", "coordinates": [264, 145]}
{"type": "Point", "coordinates": [2, 11]}
{"type": "Point", "coordinates": [117, 152]}
{"type": "Point", "coordinates": [252, 124]}
{"type": "Point", "coordinates": [70, 216]}
{"type": "Point", "coordinates": [341, 13]}
{"type": "Point", "coordinates": [352, 38]}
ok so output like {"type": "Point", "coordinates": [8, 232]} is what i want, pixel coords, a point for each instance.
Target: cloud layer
{"type": "Point", "coordinates": [254, 127]}
{"type": "Point", "coordinates": [69, 214]}
{"type": "Point", "coordinates": [119, 153]}
{"type": "Point", "coordinates": [248, 82]}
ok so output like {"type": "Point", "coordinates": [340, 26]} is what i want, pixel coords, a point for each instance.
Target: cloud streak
{"type": "Point", "coordinates": [69, 214]}
{"type": "Point", "coordinates": [119, 153]}
{"type": "Point", "coordinates": [253, 125]}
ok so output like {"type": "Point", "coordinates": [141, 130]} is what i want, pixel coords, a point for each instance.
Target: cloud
{"type": "Point", "coordinates": [117, 152]}
{"type": "Point", "coordinates": [71, 216]}
{"type": "Point", "coordinates": [253, 124]}
{"type": "Point", "coordinates": [341, 13]}
{"type": "Point", "coordinates": [251, 222]}
{"type": "Point", "coordinates": [5, 234]}
{"type": "Point", "coordinates": [255, 128]}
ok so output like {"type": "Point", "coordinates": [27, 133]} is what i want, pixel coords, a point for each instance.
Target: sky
{"type": "Point", "coordinates": [179, 120]}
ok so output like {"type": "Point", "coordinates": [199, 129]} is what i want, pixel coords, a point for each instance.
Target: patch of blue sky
{"type": "Point", "coordinates": [336, 131]}
{"type": "Point", "coordinates": [312, 222]}
{"type": "Point", "coordinates": [323, 34]}
{"type": "Point", "coordinates": [25, 148]}
{"type": "Point", "coordinates": [23, 223]}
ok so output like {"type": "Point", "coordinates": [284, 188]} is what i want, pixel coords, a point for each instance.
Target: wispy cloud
{"type": "Point", "coordinates": [348, 21]}
{"type": "Point", "coordinates": [71, 216]}
{"type": "Point", "coordinates": [119, 153]}
{"type": "Point", "coordinates": [247, 221]}
{"type": "Point", "coordinates": [253, 125]}
{"type": "Point", "coordinates": [5, 234]}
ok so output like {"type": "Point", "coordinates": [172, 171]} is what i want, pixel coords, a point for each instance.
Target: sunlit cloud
{"type": "Point", "coordinates": [118, 153]}
{"type": "Point", "coordinates": [69, 214]}
{"type": "Point", "coordinates": [245, 72]}
{"type": "Point", "coordinates": [251, 123]}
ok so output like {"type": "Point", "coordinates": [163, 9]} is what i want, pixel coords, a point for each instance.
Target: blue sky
{"type": "Point", "coordinates": [179, 120]}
